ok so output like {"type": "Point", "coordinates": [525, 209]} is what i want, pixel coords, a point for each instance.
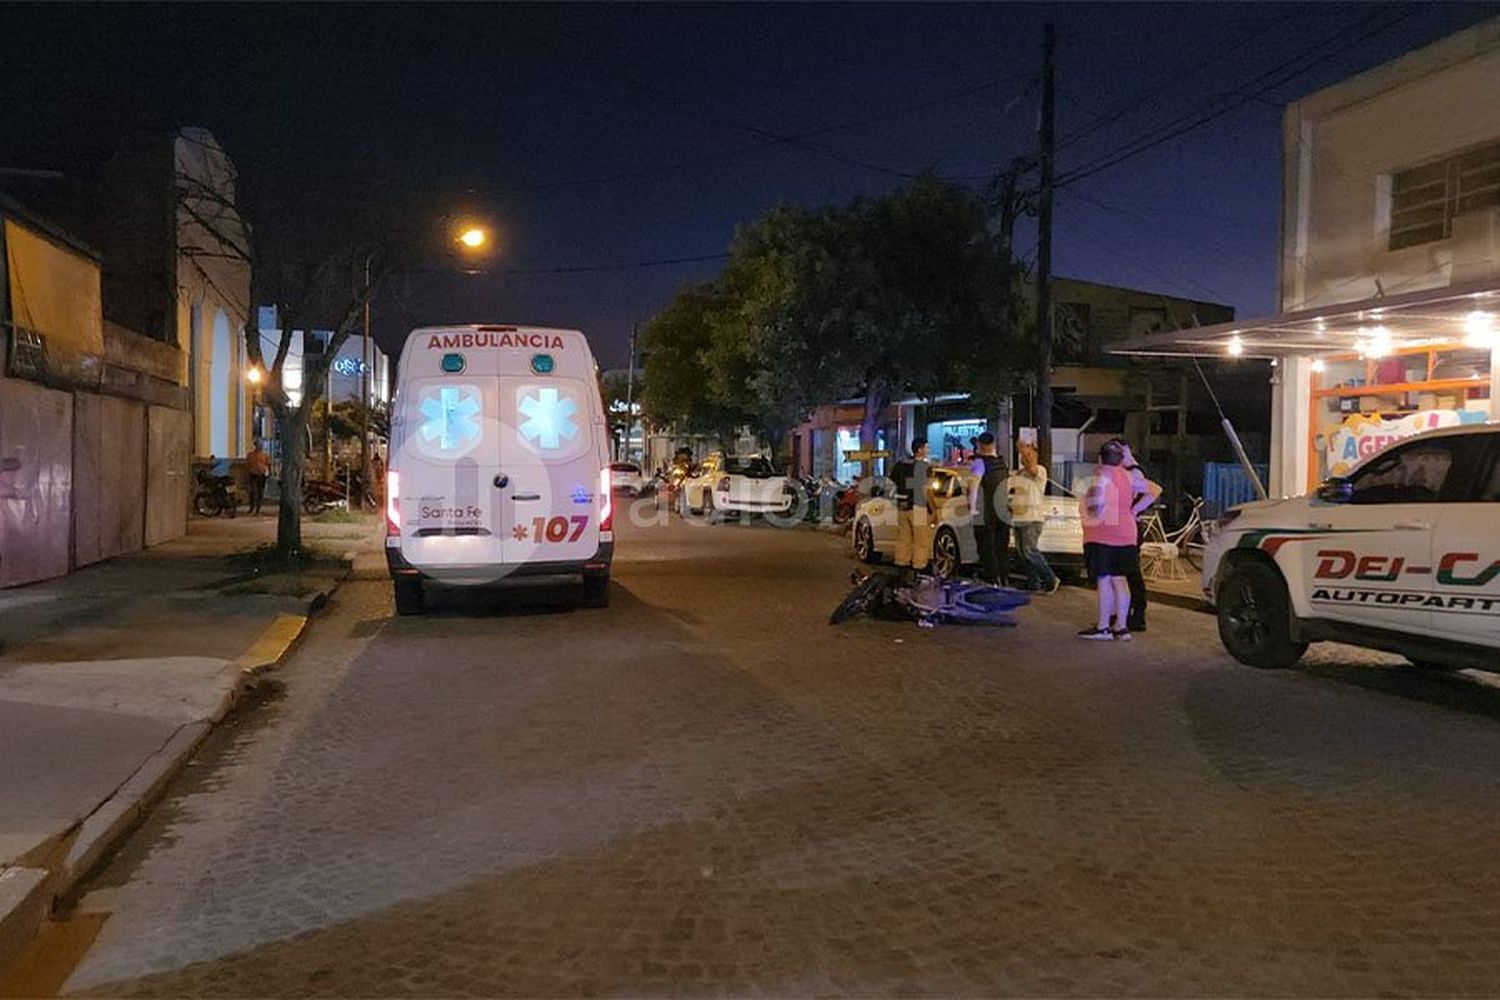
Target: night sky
{"type": "Point", "coordinates": [621, 134]}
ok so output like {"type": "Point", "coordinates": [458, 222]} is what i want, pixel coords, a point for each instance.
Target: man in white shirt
{"type": "Point", "coordinates": [1028, 488]}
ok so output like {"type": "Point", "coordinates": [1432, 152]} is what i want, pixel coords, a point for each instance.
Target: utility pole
{"type": "Point", "coordinates": [1047, 140]}
{"type": "Point", "coordinates": [366, 367]}
{"type": "Point", "coordinates": [630, 392]}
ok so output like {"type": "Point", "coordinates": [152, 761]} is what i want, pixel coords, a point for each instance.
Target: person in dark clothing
{"type": "Point", "coordinates": [913, 526]}
{"type": "Point", "coordinates": [1140, 487]}
{"type": "Point", "coordinates": [989, 506]}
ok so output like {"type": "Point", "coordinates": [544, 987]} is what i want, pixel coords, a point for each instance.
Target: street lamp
{"type": "Point", "coordinates": [473, 237]}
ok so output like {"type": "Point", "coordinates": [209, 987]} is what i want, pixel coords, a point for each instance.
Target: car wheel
{"type": "Point", "coordinates": [1255, 617]}
{"type": "Point", "coordinates": [945, 561]}
{"type": "Point", "coordinates": [409, 597]}
{"type": "Point", "coordinates": [864, 542]}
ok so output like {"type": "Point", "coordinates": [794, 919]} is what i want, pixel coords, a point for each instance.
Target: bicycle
{"type": "Point", "coordinates": [1186, 542]}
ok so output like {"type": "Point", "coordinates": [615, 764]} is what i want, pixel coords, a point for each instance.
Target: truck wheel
{"type": "Point", "coordinates": [409, 597]}
{"type": "Point", "coordinates": [596, 591]}
{"type": "Point", "coordinates": [1255, 617]}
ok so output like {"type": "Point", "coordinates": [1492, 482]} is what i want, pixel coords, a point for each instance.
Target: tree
{"type": "Point", "coordinates": [906, 292]}
{"type": "Point", "coordinates": [316, 260]}
{"type": "Point", "coordinates": [675, 387]}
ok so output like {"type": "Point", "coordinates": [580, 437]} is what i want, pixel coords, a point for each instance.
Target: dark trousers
{"type": "Point", "coordinates": [257, 493]}
{"type": "Point", "coordinates": [992, 536]}
{"type": "Point", "coordinates": [1137, 585]}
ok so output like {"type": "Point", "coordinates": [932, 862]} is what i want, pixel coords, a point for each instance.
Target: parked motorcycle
{"type": "Point", "coordinates": [319, 495]}
{"type": "Point", "coordinates": [215, 495]}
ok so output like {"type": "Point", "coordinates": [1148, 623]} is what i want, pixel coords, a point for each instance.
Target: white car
{"type": "Point", "coordinates": [953, 545]}
{"type": "Point", "coordinates": [742, 484]}
{"type": "Point", "coordinates": [1401, 554]}
{"type": "Point", "coordinates": [625, 477]}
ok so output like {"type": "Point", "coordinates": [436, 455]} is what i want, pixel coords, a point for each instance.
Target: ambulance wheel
{"type": "Point", "coordinates": [596, 591]}
{"type": "Point", "coordinates": [409, 597]}
{"type": "Point", "coordinates": [1255, 617]}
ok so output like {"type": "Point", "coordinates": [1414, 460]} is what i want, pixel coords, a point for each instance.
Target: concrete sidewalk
{"type": "Point", "coordinates": [111, 676]}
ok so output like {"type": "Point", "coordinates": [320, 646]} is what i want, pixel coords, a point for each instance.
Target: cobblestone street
{"type": "Point", "coordinates": [705, 789]}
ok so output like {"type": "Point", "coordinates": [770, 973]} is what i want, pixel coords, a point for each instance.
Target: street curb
{"type": "Point", "coordinates": [23, 907]}
{"type": "Point", "coordinates": [28, 896]}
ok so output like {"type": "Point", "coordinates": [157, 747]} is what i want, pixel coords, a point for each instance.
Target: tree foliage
{"type": "Point", "coordinates": [908, 292]}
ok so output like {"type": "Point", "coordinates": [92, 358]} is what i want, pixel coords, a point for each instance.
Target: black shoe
{"type": "Point", "coordinates": [1136, 626]}
{"type": "Point", "coordinates": [1096, 634]}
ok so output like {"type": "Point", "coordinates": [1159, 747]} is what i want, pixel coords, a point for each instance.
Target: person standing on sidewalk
{"type": "Point", "coordinates": [989, 508]}
{"type": "Point", "coordinates": [1142, 488]}
{"type": "Point", "coordinates": [1109, 541]}
{"type": "Point", "coordinates": [1027, 511]}
{"type": "Point", "coordinates": [258, 468]}
{"type": "Point", "coordinates": [913, 527]}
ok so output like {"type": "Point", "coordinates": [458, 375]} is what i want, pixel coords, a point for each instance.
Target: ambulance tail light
{"type": "Point", "coordinates": [392, 503]}
{"type": "Point", "coordinates": [606, 503]}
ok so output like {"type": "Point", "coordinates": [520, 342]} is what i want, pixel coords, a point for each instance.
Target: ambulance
{"type": "Point", "coordinates": [1401, 553]}
{"type": "Point", "coordinates": [499, 463]}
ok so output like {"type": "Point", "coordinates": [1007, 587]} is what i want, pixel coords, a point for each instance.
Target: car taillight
{"type": "Point", "coordinates": [723, 486]}
{"type": "Point", "coordinates": [392, 503]}
{"type": "Point", "coordinates": [606, 504]}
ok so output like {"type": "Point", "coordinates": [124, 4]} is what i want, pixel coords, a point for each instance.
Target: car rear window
{"type": "Point", "coordinates": [752, 468]}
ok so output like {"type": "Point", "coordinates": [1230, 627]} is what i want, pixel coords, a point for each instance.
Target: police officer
{"type": "Point", "coordinates": [989, 506]}
{"type": "Point", "coordinates": [913, 526]}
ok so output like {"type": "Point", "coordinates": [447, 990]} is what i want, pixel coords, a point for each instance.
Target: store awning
{"type": "Point", "coordinates": [1373, 327]}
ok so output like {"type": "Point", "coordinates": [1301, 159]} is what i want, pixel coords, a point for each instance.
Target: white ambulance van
{"type": "Point", "coordinates": [499, 463]}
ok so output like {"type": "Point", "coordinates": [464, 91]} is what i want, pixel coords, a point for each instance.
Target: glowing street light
{"type": "Point", "coordinates": [473, 237]}
{"type": "Point", "coordinates": [254, 375]}
{"type": "Point", "coordinates": [1236, 346]}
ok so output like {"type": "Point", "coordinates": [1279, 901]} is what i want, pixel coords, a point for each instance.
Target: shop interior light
{"type": "Point", "coordinates": [1318, 365]}
{"type": "Point", "coordinates": [1479, 329]}
{"type": "Point", "coordinates": [1236, 346]}
{"type": "Point", "coordinates": [1374, 342]}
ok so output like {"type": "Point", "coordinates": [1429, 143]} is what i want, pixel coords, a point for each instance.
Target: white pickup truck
{"type": "Point", "coordinates": [1401, 554]}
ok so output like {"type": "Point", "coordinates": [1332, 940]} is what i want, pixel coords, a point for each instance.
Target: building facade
{"type": "Point", "coordinates": [94, 425]}
{"type": "Point", "coordinates": [1389, 263]}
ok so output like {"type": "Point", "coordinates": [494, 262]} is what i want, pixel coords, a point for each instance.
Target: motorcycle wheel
{"type": "Point", "coordinates": [206, 505]}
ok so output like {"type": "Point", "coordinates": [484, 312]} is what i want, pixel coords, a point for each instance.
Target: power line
{"type": "Point", "coordinates": [1111, 117]}
{"type": "Point", "coordinates": [1289, 70]}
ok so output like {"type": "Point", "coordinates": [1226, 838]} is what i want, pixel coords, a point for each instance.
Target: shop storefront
{"type": "Point", "coordinates": [1351, 380]}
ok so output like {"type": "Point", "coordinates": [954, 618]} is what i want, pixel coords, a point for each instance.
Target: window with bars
{"type": "Point", "coordinates": [1425, 199]}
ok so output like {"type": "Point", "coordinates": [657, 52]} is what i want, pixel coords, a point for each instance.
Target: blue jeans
{"type": "Point", "coordinates": [1038, 573]}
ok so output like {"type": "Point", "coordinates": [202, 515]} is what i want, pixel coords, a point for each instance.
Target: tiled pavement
{"type": "Point", "coordinates": [707, 790]}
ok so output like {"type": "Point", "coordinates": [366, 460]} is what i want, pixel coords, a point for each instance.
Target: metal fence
{"type": "Point", "coordinates": [1226, 484]}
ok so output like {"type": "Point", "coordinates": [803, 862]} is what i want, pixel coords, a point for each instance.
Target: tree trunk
{"type": "Point", "coordinates": [292, 426]}
{"type": "Point", "coordinates": [877, 395]}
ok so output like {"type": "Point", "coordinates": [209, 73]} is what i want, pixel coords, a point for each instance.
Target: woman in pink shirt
{"type": "Point", "coordinates": [1109, 540]}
